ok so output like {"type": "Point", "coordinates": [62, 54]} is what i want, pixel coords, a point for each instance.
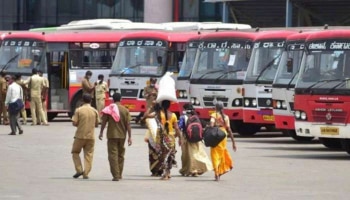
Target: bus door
{"type": "Point", "coordinates": [58, 76]}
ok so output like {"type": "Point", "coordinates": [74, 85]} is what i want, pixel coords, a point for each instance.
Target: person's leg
{"type": "Point", "coordinates": [33, 110]}
{"type": "Point", "coordinates": [88, 157]}
{"type": "Point", "coordinates": [121, 154]}
{"type": "Point", "coordinates": [18, 124]}
{"type": "Point", "coordinates": [113, 158]}
{"type": "Point", "coordinates": [76, 149]}
{"type": "Point", "coordinates": [41, 112]}
{"type": "Point", "coordinates": [24, 116]}
{"type": "Point", "coordinates": [4, 113]}
{"type": "Point", "coordinates": [13, 124]}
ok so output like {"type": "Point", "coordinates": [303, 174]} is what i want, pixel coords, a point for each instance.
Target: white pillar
{"type": "Point", "coordinates": [157, 11]}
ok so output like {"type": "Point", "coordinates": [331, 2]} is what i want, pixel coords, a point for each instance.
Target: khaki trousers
{"type": "Point", "coordinates": [44, 105]}
{"type": "Point", "coordinates": [36, 106]}
{"type": "Point", "coordinates": [88, 147]}
{"type": "Point", "coordinates": [116, 152]}
{"type": "Point", "coordinates": [100, 104]}
{"type": "Point", "coordinates": [3, 112]}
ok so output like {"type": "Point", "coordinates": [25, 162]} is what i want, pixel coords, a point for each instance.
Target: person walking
{"type": "Point", "coordinates": [194, 159]}
{"type": "Point", "coordinates": [20, 82]}
{"type": "Point", "coordinates": [14, 92]}
{"type": "Point", "coordinates": [88, 87]}
{"type": "Point", "coordinates": [44, 94]}
{"type": "Point", "coordinates": [3, 91]}
{"type": "Point", "coordinates": [101, 87]}
{"type": "Point", "coordinates": [221, 159]}
{"type": "Point", "coordinates": [36, 85]}
{"type": "Point", "coordinates": [118, 119]}
{"type": "Point", "coordinates": [85, 118]}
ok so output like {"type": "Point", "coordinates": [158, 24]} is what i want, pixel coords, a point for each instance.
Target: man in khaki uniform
{"type": "Point", "coordinates": [116, 136]}
{"type": "Point", "coordinates": [101, 88]}
{"type": "Point", "coordinates": [3, 91]}
{"type": "Point", "coordinates": [43, 97]}
{"type": "Point", "coordinates": [20, 82]}
{"type": "Point", "coordinates": [36, 84]}
{"type": "Point", "coordinates": [85, 118]}
{"type": "Point", "coordinates": [88, 87]}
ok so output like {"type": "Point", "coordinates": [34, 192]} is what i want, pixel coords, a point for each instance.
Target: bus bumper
{"type": "Point", "coordinates": [258, 116]}
{"type": "Point", "coordinates": [303, 128]}
{"type": "Point", "coordinates": [284, 122]}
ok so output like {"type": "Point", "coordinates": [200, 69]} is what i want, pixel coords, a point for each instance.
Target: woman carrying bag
{"type": "Point", "coordinates": [220, 156]}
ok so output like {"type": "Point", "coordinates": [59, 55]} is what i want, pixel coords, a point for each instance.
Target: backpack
{"type": "Point", "coordinates": [194, 129]}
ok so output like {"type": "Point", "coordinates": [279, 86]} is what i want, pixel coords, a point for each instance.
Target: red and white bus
{"type": "Point", "coordinates": [262, 68]}
{"type": "Point", "coordinates": [218, 74]}
{"type": "Point", "coordinates": [142, 55]}
{"type": "Point", "coordinates": [322, 96]}
{"type": "Point", "coordinates": [284, 82]}
{"type": "Point", "coordinates": [64, 58]}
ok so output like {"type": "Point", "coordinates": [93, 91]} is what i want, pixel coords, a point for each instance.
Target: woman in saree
{"type": "Point", "coordinates": [167, 132]}
{"type": "Point", "coordinates": [220, 156]}
{"type": "Point", "coordinates": [195, 160]}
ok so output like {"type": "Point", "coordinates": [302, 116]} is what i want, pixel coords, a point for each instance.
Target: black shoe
{"type": "Point", "coordinates": [115, 179]}
{"type": "Point", "coordinates": [20, 132]}
{"type": "Point", "coordinates": [85, 177]}
{"type": "Point", "coordinates": [12, 133]}
{"type": "Point", "coordinates": [77, 175]}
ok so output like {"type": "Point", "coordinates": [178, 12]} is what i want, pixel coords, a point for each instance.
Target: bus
{"type": "Point", "coordinates": [142, 55]}
{"type": "Point", "coordinates": [322, 95]}
{"type": "Point", "coordinates": [284, 82]}
{"type": "Point", "coordinates": [257, 84]}
{"type": "Point", "coordinates": [218, 74]}
{"type": "Point", "coordinates": [64, 58]}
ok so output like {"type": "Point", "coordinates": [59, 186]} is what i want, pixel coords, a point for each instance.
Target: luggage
{"type": "Point", "coordinates": [166, 90]}
{"type": "Point", "coordinates": [194, 129]}
{"type": "Point", "coordinates": [213, 136]}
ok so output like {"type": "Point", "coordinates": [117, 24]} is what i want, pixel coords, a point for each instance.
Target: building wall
{"type": "Point", "coordinates": [157, 11]}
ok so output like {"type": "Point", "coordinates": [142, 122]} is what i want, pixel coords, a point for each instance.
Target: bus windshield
{"type": "Point", "coordinates": [20, 56]}
{"type": "Point", "coordinates": [92, 55]}
{"type": "Point", "coordinates": [140, 61]}
{"type": "Point", "coordinates": [224, 60]}
{"type": "Point", "coordinates": [188, 62]}
{"type": "Point", "coordinates": [264, 61]}
{"type": "Point", "coordinates": [289, 66]}
{"type": "Point", "coordinates": [325, 68]}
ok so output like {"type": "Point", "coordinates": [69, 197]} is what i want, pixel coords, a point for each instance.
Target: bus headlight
{"type": "Point", "coordinates": [303, 115]}
{"type": "Point", "coordinates": [237, 102]}
{"type": "Point", "coordinates": [297, 114]}
{"type": "Point", "coordinates": [111, 92]}
{"type": "Point", "coordinates": [193, 100]}
{"type": "Point", "coordinates": [254, 102]}
{"type": "Point", "coordinates": [278, 104]}
{"type": "Point", "coordinates": [197, 102]}
{"type": "Point", "coordinates": [246, 102]}
{"type": "Point", "coordinates": [284, 104]}
{"type": "Point", "coordinates": [181, 94]}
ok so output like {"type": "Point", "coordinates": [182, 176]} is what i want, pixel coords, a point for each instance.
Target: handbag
{"type": "Point", "coordinates": [16, 106]}
{"type": "Point", "coordinates": [213, 136]}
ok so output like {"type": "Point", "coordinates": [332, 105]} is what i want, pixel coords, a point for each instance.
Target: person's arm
{"type": "Point", "coordinates": [8, 96]}
{"type": "Point", "coordinates": [129, 129]}
{"type": "Point", "coordinates": [103, 125]}
{"type": "Point", "coordinates": [229, 131]}
{"type": "Point", "coordinates": [177, 129]}
{"type": "Point", "coordinates": [212, 121]}
{"type": "Point", "coordinates": [75, 118]}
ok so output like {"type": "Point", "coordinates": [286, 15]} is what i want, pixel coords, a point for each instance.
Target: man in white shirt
{"type": "Point", "coordinates": [14, 92]}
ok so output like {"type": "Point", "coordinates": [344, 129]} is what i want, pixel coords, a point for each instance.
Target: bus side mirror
{"type": "Point", "coordinates": [290, 65]}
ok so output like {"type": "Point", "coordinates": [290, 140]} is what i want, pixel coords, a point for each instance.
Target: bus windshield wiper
{"type": "Point", "coordinates": [8, 62]}
{"type": "Point", "coordinates": [209, 72]}
{"type": "Point", "coordinates": [129, 67]}
{"type": "Point", "coordinates": [266, 67]}
{"type": "Point", "coordinates": [331, 90]}
{"type": "Point", "coordinates": [321, 81]}
{"type": "Point", "coordinates": [226, 73]}
{"type": "Point", "coordinates": [291, 80]}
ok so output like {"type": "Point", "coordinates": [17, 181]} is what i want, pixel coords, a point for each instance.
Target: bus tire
{"type": "Point", "coordinates": [331, 143]}
{"type": "Point", "coordinates": [76, 102]}
{"type": "Point", "coordinates": [244, 129]}
{"type": "Point", "coordinates": [294, 135]}
{"type": "Point", "coordinates": [51, 116]}
{"type": "Point", "coordinates": [345, 143]}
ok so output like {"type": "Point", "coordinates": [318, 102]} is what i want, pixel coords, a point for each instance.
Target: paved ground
{"type": "Point", "coordinates": [38, 165]}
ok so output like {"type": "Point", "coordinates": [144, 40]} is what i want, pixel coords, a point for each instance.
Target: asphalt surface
{"type": "Point", "coordinates": [38, 165]}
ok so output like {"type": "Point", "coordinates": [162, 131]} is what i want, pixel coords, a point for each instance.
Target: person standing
{"type": "Point", "coordinates": [88, 87]}
{"type": "Point", "coordinates": [14, 92]}
{"type": "Point", "coordinates": [150, 91]}
{"type": "Point", "coordinates": [36, 85]}
{"type": "Point", "coordinates": [101, 88]}
{"type": "Point", "coordinates": [221, 159]}
{"type": "Point", "coordinates": [118, 121]}
{"type": "Point", "coordinates": [85, 118]}
{"type": "Point", "coordinates": [44, 93]}
{"type": "Point", "coordinates": [20, 82]}
{"type": "Point", "coordinates": [3, 91]}
{"type": "Point", "coordinates": [195, 160]}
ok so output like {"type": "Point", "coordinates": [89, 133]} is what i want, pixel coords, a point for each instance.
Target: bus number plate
{"type": "Point", "coordinates": [268, 118]}
{"type": "Point", "coordinates": [129, 106]}
{"type": "Point", "coordinates": [329, 131]}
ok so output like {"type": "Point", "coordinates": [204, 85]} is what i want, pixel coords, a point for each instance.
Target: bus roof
{"type": "Point", "coordinates": [229, 34]}
{"type": "Point", "coordinates": [163, 35]}
{"type": "Point", "coordinates": [274, 35]}
{"type": "Point", "coordinates": [96, 21]}
{"type": "Point", "coordinates": [114, 26]}
{"type": "Point", "coordinates": [330, 34]}
{"type": "Point", "coordinates": [76, 36]}
{"type": "Point", "coordinates": [301, 36]}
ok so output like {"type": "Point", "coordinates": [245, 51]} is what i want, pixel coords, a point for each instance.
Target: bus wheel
{"type": "Point", "coordinates": [331, 143]}
{"type": "Point", "coordinates": [76, 102]}
{"type": "Point", "coordinates": [345, 143]}
{"type": "Point", "coordinates": [244, 129]}
{"type": "Point", "coordinates": [51, 116]}
{"type": "Point", "coordinates": [294, 135]}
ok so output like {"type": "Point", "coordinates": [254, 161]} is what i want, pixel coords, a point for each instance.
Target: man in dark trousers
{"type": "Point", "coordinates": [117, 129]}
{"type": "Point", "coordinates": [85, 118]}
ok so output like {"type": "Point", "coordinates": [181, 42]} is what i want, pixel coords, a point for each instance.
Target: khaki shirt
{"type": "Point", "coordinates": [101, 90]}
{"type": "Point", "coordinates": [3, 88]}
{"type": "Point", "coordinates": [45, 82]}
{"type": "Point", "coordinates": [87, 119]}
{"type": "Point", "coordinates": [118, 129]}
{"type": "Point", "coordinates": [24, 87]}
{"type": "Point", "coordinates": [149, 91]}
{"type": "Point", "coordinates": [36, 84]}
{"type": "Point", "coordinates": [86, 85]}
